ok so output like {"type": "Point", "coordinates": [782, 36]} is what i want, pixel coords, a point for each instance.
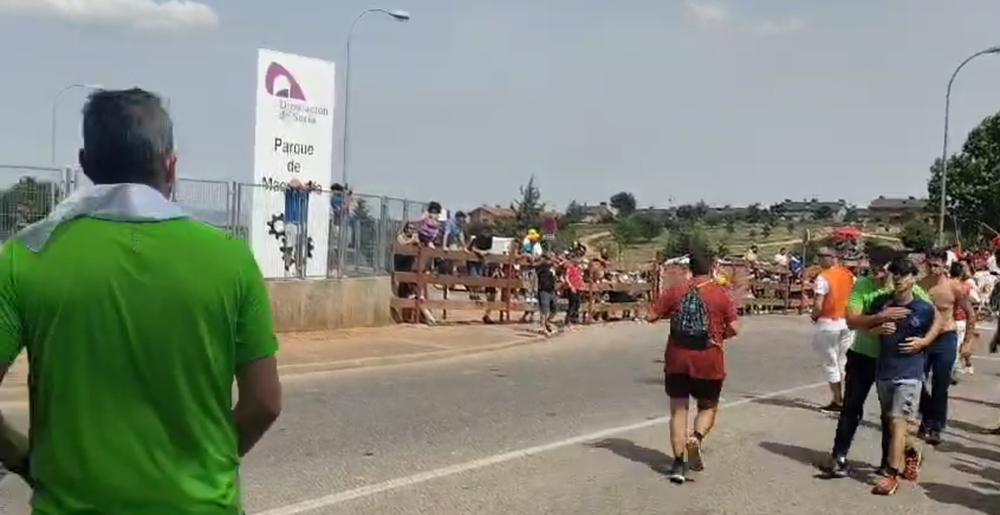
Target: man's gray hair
{"type": "Point", "coordinates": [127, 137]}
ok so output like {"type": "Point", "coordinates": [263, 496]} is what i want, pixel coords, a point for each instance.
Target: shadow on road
{"type": "Point", "coordinates": [784, 402]}
{"type": "Point", "coordinates": [961, 496]}
{"type": "Point", "coordinates": [813, 458]}
{"type": "Point", "coordinates": [953, 447]}
{"type": "Point", "coordinates": [974, 401]}
{"type": "Point", "coordinates": [652, 458]}
{"type": "Point", "coordinates": [968, 427]}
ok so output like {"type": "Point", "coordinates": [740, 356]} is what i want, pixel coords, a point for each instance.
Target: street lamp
{"type": "Point", "coordinates": [944, 152]}
{"type": "Point", "coordinates": [400, 16]}
{"type": "Point", "coordinates": [55, 103]}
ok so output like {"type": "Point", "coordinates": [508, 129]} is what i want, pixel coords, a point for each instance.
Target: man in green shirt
{"type": "Point", "coordinates": [861, 358]}
{"type": "Point", "coordinates": [136, 320]}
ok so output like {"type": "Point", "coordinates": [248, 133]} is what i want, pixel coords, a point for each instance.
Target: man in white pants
{"type": "Point", "coordinates": [833, 338]}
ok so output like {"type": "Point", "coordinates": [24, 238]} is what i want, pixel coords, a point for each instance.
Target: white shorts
{"type": "Point", "coordinates": [832, 347]}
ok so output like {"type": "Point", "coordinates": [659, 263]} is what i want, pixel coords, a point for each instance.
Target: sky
{"type": "Point", "coordinates": [730, 102]}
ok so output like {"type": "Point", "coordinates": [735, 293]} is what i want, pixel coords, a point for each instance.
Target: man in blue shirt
{"type": "Point", "coordinates": [296, 215]}
{"type": "Point", "coordinates": [900, 370]}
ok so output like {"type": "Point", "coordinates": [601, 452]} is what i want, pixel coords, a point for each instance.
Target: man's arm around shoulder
{"type": "Point", "coordinates": [257, 382]}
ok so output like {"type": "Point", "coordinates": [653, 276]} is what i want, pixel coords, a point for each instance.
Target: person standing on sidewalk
{"type": "Point", "coordinates": [947, 298]}
{"type": "Point", "coordinates": [702, 316]}
{"type": "Point", "coordinates": [574, 285]}
{"type": "Point", "coordinates": [546, 284]}
{"type": "Point", "coordinates": [900, 373]}
{"type": "Point", "coordinates": [832, 338]}
{"type": "Point", "coordinates": [136, 320]}
{"type": "Point", "coordinates": [861, 358]}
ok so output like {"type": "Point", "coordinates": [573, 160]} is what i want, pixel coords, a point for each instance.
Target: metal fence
{"type": "Point", "coordinates": [293, 235]}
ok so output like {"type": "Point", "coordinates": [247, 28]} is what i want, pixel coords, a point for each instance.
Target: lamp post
{"type": "Point", "coordinates": [944, 151]}
{"type": "Point", "coordinates": [401, 16]}
{"type": "Point", "coordinates": [55, 103]}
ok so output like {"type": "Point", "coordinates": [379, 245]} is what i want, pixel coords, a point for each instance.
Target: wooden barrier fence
{"type": "Point", "coordinates": [769, 290]}
{"type": "Point", "coordinates": [505, 281]}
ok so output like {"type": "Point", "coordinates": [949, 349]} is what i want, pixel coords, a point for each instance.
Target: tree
{"type": "Point", "coordinates": [851, 216]}
{"type": "Point", "coordinates": [574, 214]}
{"type": "Point", "coordinates": [626, 231]}
{"type": "Point", "coordinates": [754, 213]}
{"type": "Point", "coordinates": [823, 213]}
{"type": "Point", "coordinates": [917, 235]}
{"type": "Point", "coordinates": [624, 202]}
{"type": "Point", "coordinates": [687, 240]}
{"type": "Point", "coordinates": [790, 226]}
{"type": "Point", "coordinates": [973, 195]}
{"type": "Point", "coordinates": [26, 202]}
{"type": "Point", "coordinates": [765, 231]}
{"type": "Point", "coordinates": [730, 225]}
{"type": "Point", "coordinates": [528, 211]}
{"type": "Point", "coordinates": [647, 225]}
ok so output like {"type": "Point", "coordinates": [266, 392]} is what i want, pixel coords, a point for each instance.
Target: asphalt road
{"type": "Point", "coordinates": [576, 425]}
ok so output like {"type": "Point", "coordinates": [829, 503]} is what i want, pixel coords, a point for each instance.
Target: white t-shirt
{"type": "Point", "coordinates": [781, 259]}
{"type": "Point", "coordinates": [822, 287]}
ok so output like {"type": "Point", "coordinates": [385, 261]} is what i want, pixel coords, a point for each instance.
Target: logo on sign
{"type": "Point", "coordinates": [278, 75]}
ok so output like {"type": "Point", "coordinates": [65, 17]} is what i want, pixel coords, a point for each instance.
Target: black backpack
{"type": "Point", "coordinates": [689, 326]}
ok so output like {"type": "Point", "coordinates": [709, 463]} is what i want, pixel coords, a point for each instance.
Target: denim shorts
{"type": "Point", "coordinates": [899, 398]}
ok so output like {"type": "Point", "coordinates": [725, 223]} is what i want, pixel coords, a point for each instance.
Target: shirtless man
{"type": "Point", "coordinates": [947, 296]}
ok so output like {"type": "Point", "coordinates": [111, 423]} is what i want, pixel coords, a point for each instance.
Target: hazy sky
{"type": "Point", "coordinates": [729, 102]}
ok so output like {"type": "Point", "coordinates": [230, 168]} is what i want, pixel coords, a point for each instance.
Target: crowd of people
{"type": "Point", "coordinates": [548, 279]}
{"type": "Point", "coordinates": [885, 324]}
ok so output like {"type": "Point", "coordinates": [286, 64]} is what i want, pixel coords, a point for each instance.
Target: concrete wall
{"type": "Point", "coordinates": [319, 304]}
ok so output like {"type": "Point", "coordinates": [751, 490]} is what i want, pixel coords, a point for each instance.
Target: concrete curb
{"type": "Point", "coordinates": [14, 398]}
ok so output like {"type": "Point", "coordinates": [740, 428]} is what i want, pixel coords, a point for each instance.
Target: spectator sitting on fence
{"type": "Point", "coordinates": [429, 226]}
{"type": "Point", "coordinates": [454, 238]}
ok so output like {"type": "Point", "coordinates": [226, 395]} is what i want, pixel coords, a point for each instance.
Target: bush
{"type": "Point", "coordinates": [687, 240]}
{"type": "Point", "coordinates": [917, 235]}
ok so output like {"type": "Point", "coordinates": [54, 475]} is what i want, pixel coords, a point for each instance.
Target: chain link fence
{"type": "Point", "coordinates": [294, 234]}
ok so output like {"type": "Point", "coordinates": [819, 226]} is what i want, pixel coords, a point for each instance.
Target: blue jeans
{"type": "Point", "coordinates": [934, 397]}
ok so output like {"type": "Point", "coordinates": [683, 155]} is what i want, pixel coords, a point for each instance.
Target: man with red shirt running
{"type": "Point", "coordinates": [702, 315]}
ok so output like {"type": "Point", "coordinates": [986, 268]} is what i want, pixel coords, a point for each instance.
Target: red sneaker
{"type": "Point", "coordinates": [911, 467]}
{"type": "Point", "coordinates": [886, 486]}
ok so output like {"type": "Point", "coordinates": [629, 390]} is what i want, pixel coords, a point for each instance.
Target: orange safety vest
{"type": "Point", "coordinates": [841, 281]}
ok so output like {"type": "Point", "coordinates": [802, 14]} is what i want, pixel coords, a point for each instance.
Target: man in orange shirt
{"type": "Point", "coordinates": [702, 315]}
{"type": "Point", "coordinates": [832, 339]}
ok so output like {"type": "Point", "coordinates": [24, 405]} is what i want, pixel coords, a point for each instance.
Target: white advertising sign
{"type": "Point", "coordinates": [293, 152]}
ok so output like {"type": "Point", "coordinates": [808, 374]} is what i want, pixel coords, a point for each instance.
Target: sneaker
{"type": "Point", "coordinates": [933, 438]}
{"type": "Point", "coordinates": [970, 370]}
{"type": "Point", "coordinates": [696, 462]}
{"type": "Point", "coordinates": [911, 466]}
{"type": "Point", "coordinates": [886, 486]}
{"type": "Point", "coordinates": [677, 473]}
{"type": "Point", "coordinates": [883, 471]}
{"type": "Point", "coordinates": [836, 467]}
{"type": "Point", "coordinates": [833, 407]}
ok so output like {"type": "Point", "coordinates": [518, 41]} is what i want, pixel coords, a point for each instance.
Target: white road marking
{"type": "Point", "coordinates": [430, 475]}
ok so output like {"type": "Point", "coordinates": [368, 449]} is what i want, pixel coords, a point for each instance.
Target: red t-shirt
{"type": "Point", "coordinates": [574, 276]}
{"type": "Point", "coordinates": [700, 364]}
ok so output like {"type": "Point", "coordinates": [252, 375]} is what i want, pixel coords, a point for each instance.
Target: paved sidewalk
{"type": "Point", "coordinates": [323, 351]}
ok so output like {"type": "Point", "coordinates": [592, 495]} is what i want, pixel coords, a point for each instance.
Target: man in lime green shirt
{"type": "Point", "coordinates": [136, 320]}
{"type": "Point", "coordinates": [861, 358]}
